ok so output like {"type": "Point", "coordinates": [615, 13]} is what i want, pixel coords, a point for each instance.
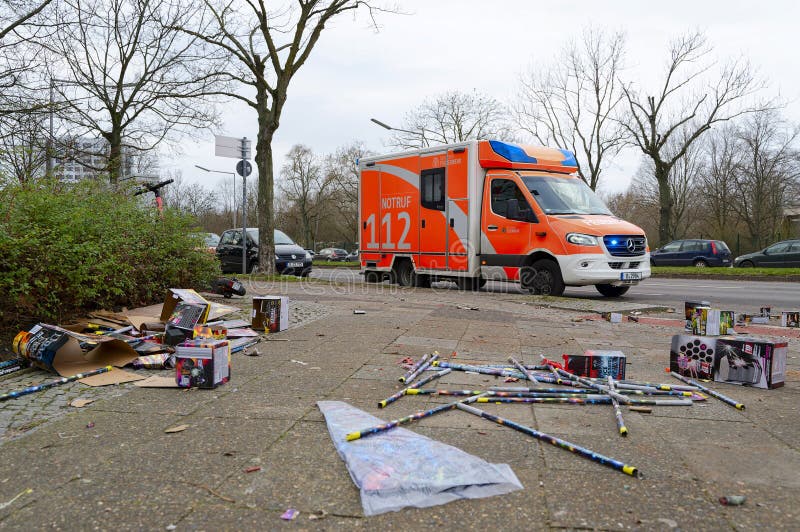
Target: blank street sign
{"type": "Point", "coordinates": [231, 147]}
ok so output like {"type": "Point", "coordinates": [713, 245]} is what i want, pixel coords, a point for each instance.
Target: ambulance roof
{"type": "Point", "coordinates": [498, 154]}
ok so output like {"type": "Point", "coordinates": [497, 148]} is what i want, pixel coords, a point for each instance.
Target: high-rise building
{"type": "Point", "coordinates": [87, 158]}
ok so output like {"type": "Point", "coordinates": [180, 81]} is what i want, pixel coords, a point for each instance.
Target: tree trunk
{"type": "Point", "coordinates": [665, 204]}
{"type": "Point", "coordinates": [265, 202]}
{"type": "Point", "coordinates": [114, 155]}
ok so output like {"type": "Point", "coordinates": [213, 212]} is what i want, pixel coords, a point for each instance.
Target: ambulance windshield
{"type": "Point", "coordinates": [559, 195]}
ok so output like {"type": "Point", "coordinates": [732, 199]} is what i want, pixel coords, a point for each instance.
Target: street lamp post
{"type": "Point", "coordinates": [233, 175]}
{"type": "Point", "coordinates": [421, 133]}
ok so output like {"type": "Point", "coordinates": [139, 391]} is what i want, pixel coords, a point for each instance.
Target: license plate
{"type": "Point", "coordinates": [294, 264]}
{"type": "Point", "coordinates": [630, 276]}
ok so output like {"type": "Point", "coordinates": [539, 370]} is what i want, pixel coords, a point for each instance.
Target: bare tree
{"type": "Point", "coordinates": [267, 46]}
{"type": "Point", "coordinates": [22, 146]}
{"type": "Point", "coordinates": [723, 153]}
{"type": "Point", "coordinates": [189, 198]}
{"type": "Point", "coordinates": [453, 117]}
{"type": "Point", "coordinates": [305, 185]}
{"type": "Point", "coordinates": [685, 104]}
{"type": "Point", "coordinates": [571, 104]}
{"type": "Point", "coordinates": [342, 169]}
{"type": "Point", "coordinates": [132, 79]}
{"type": "Point", "coordinates": [767, 176]}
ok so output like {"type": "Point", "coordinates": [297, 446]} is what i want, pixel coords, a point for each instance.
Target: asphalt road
{"type": "Point", "coordinates": [742, 296]}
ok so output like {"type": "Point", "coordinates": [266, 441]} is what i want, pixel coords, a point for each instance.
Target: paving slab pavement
{"type": "Point", "coordinates": [125, 473]}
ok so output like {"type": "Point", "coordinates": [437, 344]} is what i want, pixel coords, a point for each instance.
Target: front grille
{"type": "Point", "coordinates": [633, 264]}
{"type": "Point", "coordinates": [288, 256]}
{"type": "Point", "coordinates": [615, 265]}
{"type": "Point", "coordinates": [618, 245]}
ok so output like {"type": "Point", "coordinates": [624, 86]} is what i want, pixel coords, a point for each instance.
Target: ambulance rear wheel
{"type": "Point", "coordinates": [542, 278]}
{"type": "Point", "coordinates": [403, 273]}
{"type": "Point", "coordinates": [610, 290]}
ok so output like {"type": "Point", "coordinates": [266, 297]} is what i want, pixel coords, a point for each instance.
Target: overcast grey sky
{"type": "Point", "coordinates": [355, 73]}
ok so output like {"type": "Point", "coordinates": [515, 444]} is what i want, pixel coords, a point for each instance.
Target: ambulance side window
{"type": "Point", "coordinates": [509, 202]}
{"type": "Point", "coordinates": [431, 189]}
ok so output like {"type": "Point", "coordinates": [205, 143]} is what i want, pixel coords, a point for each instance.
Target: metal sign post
{"type": "Point", "coordinates": [237, 148]}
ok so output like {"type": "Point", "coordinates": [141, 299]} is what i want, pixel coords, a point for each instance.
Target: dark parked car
{"type": "Point", "coordinates": [289, 257]}
{"type": "Point", "coordinates": [785, 254]}
{"type": "Point", "coordinates": [332, 254]}
{"type": "Point", "coordinates": [694, 252]}
{"type": "Point", "coordinates": [352, 256]}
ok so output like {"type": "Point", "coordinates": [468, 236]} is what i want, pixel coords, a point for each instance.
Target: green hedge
{"type": "Point", "coordinates": [68, 249]}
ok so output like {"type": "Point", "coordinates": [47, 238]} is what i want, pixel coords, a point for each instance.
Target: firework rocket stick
{"type": "Point", "coordinates": [531, 377]}
{"type": "Point", "coordinates": [413, 417]}
{"type": "Point", "coordinates": [401, 393]}
{"type": "Point", "coordinates": [598, 387]}
{"type": "Point", "coordinates": [425, 365]}
{"type": "Point", "coordinates": [421, 391]}
{"type": "Point", "coordinates": [586, 453]}
{"type": "Point", "coordinates": [414, 368]}
{"type": "Point", "coordinates": [659, 402]}
{"type": "Point", "coordinates": [623, 430]}
{"type": "Point", "coordinates": [13, 362]}
{"type": "Point", "coordinates": [594, 400]}
{"type": "Point", "coordinates": [660, 386]}
{"type": "Point", "coordinates": [63, 380]}
{"type": "Point", "coordinates": [725, 399]}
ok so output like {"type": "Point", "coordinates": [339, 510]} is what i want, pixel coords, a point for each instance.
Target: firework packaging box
{"type": "Point", "coordinates": [69, 352]}
{"type": "Point", "coordinates": [790, 318]}
{"type": "Point", "coordinates": [202, 363]}
{"type": "Point", "coordinates": [270, 313]}
{"type": "Point", "coordinates": [689, 309]}
{"type": "Point", "coordinates": [693, 356]}
{"type": "Point", "coordinates": [719, 322]}
{"type": "Point", "coordinates": [757, 362]}
{"type": "Point", "coordinates": [597, 364]}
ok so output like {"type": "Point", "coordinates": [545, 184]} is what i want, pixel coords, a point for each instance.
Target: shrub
{"type": "Point", "coordinates": [67, 249]}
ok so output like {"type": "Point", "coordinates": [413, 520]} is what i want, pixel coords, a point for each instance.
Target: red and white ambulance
{"type": "Point", "coordinates": [490, 210]}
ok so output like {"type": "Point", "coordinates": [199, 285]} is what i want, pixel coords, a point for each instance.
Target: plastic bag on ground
{"type": "Point", "coordinates": [400, 468]}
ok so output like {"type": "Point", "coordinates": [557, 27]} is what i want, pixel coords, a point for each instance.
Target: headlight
{"type": "Point", "coordinates": [276, 256]}
{"type": "Point", "coordinates": [308, 255]}
{"type": "Point", "coordinates": [581, 239]}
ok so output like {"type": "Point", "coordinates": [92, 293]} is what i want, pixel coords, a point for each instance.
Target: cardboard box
{"type": "Point", "coordinates": [202, 363]}
{"type": "Point", "coordinates": [693, 356]}
{"type": "Point", "coordinates": [596, 364]}
{"type": "Point", "coordinates": [719, 322]}
{"type": "Point", "coordinates": [176, 295]}
{"type": "Point", "coordinates": [790, 318]}
{"type": "Point", "coordinates": [270, 313]}
{"type": "Point", "coordinates": [757, 362]}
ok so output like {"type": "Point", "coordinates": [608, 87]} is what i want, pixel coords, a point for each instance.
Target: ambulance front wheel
{"type": "Point", "coordinates": [543, 278]}
{"type": "Point", "coordinates": [610, 290]}
{"type": "Point", "coordinates": [403, 273]}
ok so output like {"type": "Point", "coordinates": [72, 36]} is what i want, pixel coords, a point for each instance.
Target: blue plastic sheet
{"type": "Point", "coordinates": [400, 468]}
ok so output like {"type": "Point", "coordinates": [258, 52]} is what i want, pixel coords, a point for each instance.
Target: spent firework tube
{"type": "Point", "coordinates": [425, 365]}
{"type": "Point", "coordinates": [560, 393]}
{"type": "Point", "coordinates": [563, 444]}
{"type": "Point", "coordinates": [725, 399]}
{"type": "Point", "coordinates": [63, 380]}
{"type": "Point", "coordinates": [660, 402]}
{"type": "Point", "coordinates": [660, 386]}
{"type": "Point", "coordinates": [593, 400]}
{"type": "Point", "coordinates": [623, 430]}
{"type": "Point", "coordinates": [413, 417]}
{"type": "Point", "coordinates": [530, 376]}
{"type": "Point", "coordinates": [480, 369]}
{"type": "Point", "coordinates": [598, 387]}
{"type": "Point", "coordinates": [401, 393]}
{"type": "Point", "coordinates": [415, 367]}
{"type": "Point", "coordinates": [523, 389]}
{"type": "Point", "coordinates": [12, 362]}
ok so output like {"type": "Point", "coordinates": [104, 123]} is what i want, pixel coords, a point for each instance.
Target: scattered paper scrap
{"type": "Point", "coordinates": [179, 428]}
{"type": "Point", "coordinates": [359, 312]}
{"type": "Point", "coordinates": [252, 469]}
{"type": "Point", "coordinates": [290, 514]}
{"type": "Point", "coordinates": [80, 403]}
{"type": "Point", "coordinates": [319, 514]}
{"type": "Point", "coordinates": [90, 425]}
{"type": "Point", "coordinates": [300, 362]}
